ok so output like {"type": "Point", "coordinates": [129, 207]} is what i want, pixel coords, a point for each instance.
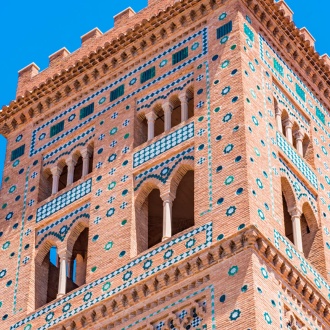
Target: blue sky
{"type": "Point", "coordinates": [31, 31]}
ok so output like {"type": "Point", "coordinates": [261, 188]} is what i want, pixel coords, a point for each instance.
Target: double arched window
{"type": "Point", "coordinates": [162, 211]}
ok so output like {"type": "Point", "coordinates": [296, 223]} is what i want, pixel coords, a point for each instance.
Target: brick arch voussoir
{"type": "Point", "coordinates": [74, 233]}
{"type": "Point", "coordinates": [311, 219]}
{"type": "Point", "coordinates": [177, 175]}
{"type": "Point", "coordinates": [144, 191]}
{"type": "Point", "coordinates": [44, 248]}
{"type": "Point", "coordinates": [288, 192]}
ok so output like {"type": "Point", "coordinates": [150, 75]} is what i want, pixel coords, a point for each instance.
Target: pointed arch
{"type": "Point", "coordinates": [177, 175]}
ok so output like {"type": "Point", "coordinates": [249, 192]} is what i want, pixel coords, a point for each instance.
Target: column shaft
{"type": "Point", "coordinates": [297, 238]}
{"type": "Point", "coordinates": [62, 278]}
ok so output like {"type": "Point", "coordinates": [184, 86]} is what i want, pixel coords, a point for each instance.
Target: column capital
{"type": "Point", "coordinates": [71, 160]}
{"type": "Point", "coordinates": [86, 152]}
{"type": "Point", "coordinates": [298, 135]}
{"type": "Point", "coordinates": [56, 170]}
{"type": "Point", "coordinates": [167, 197]}
{"type": "Point", "coordinates": [167, 106]}
{"type": "Point", "coordinates": [278, 110]}
{"type": "Point", "coordinates": [288, 123]}
{"type": "Point", "coordinates": [151, 116]}
{"type": "Point", "coordinates": [183, 97]}
{"type": "Point", "coordinates": [295, 212]}
{"type": "Point", "coordinates": [64, 255]}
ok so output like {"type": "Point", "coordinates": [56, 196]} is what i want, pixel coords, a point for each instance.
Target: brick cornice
{"type": "Point", "coordinates": [251, 238]}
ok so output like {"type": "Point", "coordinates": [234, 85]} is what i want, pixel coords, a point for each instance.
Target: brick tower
{"type": "Point", "coordinates": [172, 173]}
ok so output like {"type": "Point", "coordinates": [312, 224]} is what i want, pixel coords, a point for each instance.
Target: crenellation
{"type": "Point", "coordinates": [91, 36]}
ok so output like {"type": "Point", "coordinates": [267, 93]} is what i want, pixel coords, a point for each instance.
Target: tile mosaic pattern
{"type": "Point", "coordinates": [172, 251]}
{"type": "Point", "coordinates": [64, 200]}
{"type": "Point", "coordinates": [20, 247]}
{"type": "Point", "coordinates": [81, 144]}
{"type": "Point", "coordinates": [209, 144]}
{"type": "Point", "coordinates": [60, 228]}
{"type": "Point", "coordinates": [67, 144]}
{"type": "Point", "coordinates": [182, 82]}
{"type": "Point", "coordinates": [267, 53]}
{"type": "Point", "coordinates": [163, 170]}
{"type": "Point", "coordinates": [290, 152]}
{"type": "Point", "coordinates": [164, 144]}
{"type": "Point", "coordinates": [305, 267]}
{"type": "Point", "coordinates": [204, 49]}
{"type": "Point", "coordinates": [183, 314]}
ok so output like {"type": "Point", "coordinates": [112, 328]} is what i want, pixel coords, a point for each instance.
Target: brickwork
{"type": "Point", "coordinates": [171, 142]}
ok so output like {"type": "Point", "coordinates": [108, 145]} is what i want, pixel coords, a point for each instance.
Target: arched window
{"type": "Point", "coordinates": [176, 112]}
{"type": "Point", "coordinates": [183, 205]}
{"type": "Point", "coordinates": [141, 130]}
{"type": "Point", "coordinates": [78, 169]}
{"type": "Point", "coordinates": [288, 229]}
{"type": "Point", "coordinates": [45, 185]}
{"type": "Point", "coordinates": [63, 177]}
{"type": "Point", "coordinates": [159, 122]}
{"type": "Point", "coordinates": [78, 264]}
{"type": "Point", "coordinates": [284, 118]}
{"type": "Point", "coordinates": [47, 278]}
{"type": "Point", "coordinates": [306, 145]}
{"type": "Point", "coordinates": [295, 131]}
{"type": "Point", "coordinates": [312, 240]}
{"type": "Point", "coordinates": [149, 221]}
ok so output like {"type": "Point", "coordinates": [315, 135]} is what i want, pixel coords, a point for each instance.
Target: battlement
{"type": "Point", "coordinates": [129, 26]}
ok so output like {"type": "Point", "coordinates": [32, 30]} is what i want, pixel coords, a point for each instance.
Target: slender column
{"type": "Point", "coordinates": [296, 224]}
{"type": "Point", "coordinates": [56, 172]}
{"type": "Point", "coordinates": [278, 114]}
{"type": "Point", "coordinates": [151, 117]}
{"type": "Point", "coordinates": [167, 215]}
{"type": "Point", "coordinates": [71, 162]}
{"type": "Point", "coordinates": [288, 129]}
{"type": "Point", "coordinates": [167, 107]}
{"type": "Point", "coordinates": [64, 257]}
{"type": "Point", "coordinates": [184, 106]}
{"type": "Point", "coordinates": [86, 154]}
{"type": "Point", "coordinates": [299, 139]}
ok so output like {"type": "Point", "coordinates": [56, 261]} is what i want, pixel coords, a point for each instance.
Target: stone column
{"type": "Point", "coordinates": [56, 172]}
{"type": "Point", "coordinates": [86, 154]}
{"type": "Point", "coordinates": [167, 107]}
{"type": "Point", "coordinates": [296, 224]}
{"type": "Point", "coordinates": [64, 257]}
{"type": "Point", "coordinates": [299, 139]}
{"type": "Point", "coordinates": [288, 129]}
{"type": "Point", "coordinates": [278, 117]}
{"type": "Point", "coordinates": [71, 162]}
{"type": "Point", "coordinates": [167, 215]}
{"type": "Point", "coordinates": [184, 106]}
{"type": "Point", "coordinates": [151, 117]}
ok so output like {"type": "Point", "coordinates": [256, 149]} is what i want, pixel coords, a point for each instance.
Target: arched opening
{"type": "Point", "coordinates": [91, 158]}
{"type": "Point", "coordinates": [191, 101]}
{"type": "Point", "coordinates": [295, 130]}
{"type": "Point", "coordinates": [288, 202]}
{"type": "Point", "coordinates": [78, 169]}
{"type": "Point", "coordinates": [284, 118]}
{"type": "Point", "coordinates": [312, 239]}
{"type": "Point", "coordinates": [149, 221]}
{"type": "Point", "coordinates": [183, 205]}
{"type": "Point", "coordinates": [288, 228]}
{"type": "Point", "coordinates": [77, 271]}
{"type": "Point", "coordinates": [306, 143]}
{"type": "Point", "coordinates": [141, 130]}
{"type": "Point", "coordinates": [159, 122]}
{"type": "Point", "coordinates": [176, 112]}
{"type": "Point", "coordinates": [3, 144]}
{"type": "Point", "coordinates": [46, 278]}
{"type": "Point", "coordinates": [63, 177]}
{"type": "Point", "coordinates": [45, 185]}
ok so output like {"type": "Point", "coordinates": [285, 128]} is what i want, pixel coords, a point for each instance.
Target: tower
{"type": "Point", "coordinates": [172, 173]}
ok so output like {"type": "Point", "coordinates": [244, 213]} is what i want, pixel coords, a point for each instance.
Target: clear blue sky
{"type": "Point", "coordinates": [32, 30]}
